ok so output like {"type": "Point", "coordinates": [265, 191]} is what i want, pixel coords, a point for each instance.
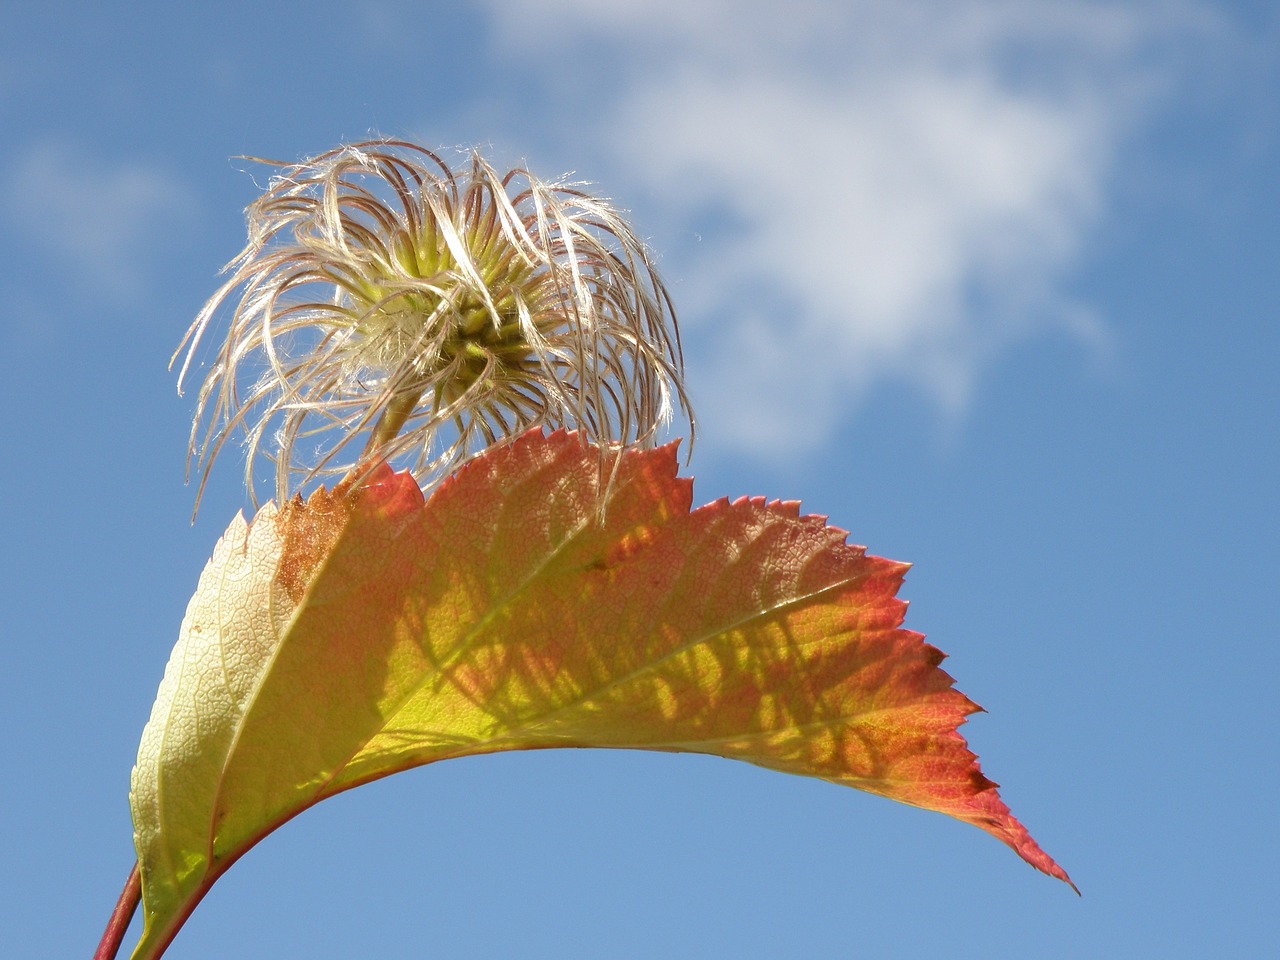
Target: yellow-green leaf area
{"type": "Point", "coordinates": [544, 596]}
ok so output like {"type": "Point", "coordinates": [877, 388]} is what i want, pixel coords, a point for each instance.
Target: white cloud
{"type": "Point", "coordinates": [872, 222]}
{"type": "Point", "coordinates": [908, 183]}
{"type": "Point", "coordinates": [97, 221]}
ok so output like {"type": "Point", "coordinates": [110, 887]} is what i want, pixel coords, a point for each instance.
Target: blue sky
{"type": "Point", "coordinates": [992, 284]}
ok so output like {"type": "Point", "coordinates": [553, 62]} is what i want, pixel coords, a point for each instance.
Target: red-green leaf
{"type": "Point", "coordinates": [533, 601]}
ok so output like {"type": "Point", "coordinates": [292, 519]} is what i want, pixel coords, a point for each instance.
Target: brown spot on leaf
{"type": "Point", "coordinates": [308, 531]}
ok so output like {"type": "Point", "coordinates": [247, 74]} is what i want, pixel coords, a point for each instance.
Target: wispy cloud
{"type": "Point", "coordinates": [897, 189]}
{"type": "Point", "coordinates": [98, 220]}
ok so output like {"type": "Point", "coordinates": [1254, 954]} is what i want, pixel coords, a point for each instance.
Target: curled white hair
{"type": "Point", "coordinates": [430, 314]}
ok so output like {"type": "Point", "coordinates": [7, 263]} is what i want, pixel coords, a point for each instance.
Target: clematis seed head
{"type": "Point", "coordinates": [388, 308]}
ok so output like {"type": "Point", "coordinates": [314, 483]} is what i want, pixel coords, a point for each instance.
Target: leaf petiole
{"type": "Point", "coordinates": [121, 916]}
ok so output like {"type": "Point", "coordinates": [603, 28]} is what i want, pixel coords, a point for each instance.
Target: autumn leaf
{"type": "Point", "coordinates": [534, 601]}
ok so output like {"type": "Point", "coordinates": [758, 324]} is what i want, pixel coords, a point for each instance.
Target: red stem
{"type": "Point", "coordinates": [120, 917]}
